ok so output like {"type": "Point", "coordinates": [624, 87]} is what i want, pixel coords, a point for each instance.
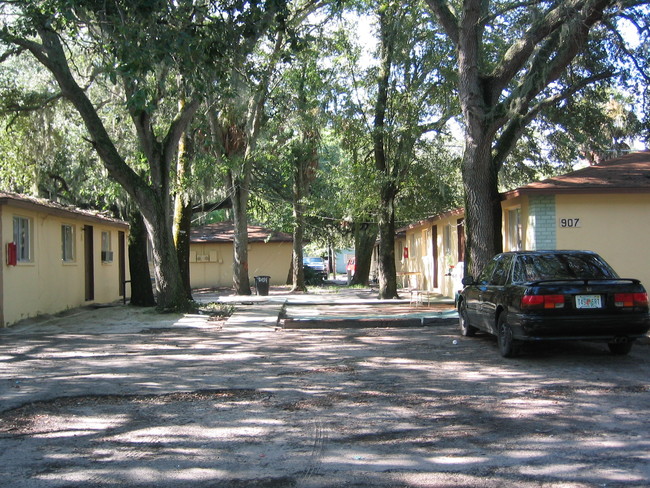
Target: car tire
{"type": "Point", "coordinates": [466, 329]}
{"type": "Point", "coordinates": [508, 345]}
{"type": "Point", "coordinates": [620, 348]}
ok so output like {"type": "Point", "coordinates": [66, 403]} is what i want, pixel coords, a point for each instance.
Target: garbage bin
{"type": "Point", "coordinates": [262, 285]}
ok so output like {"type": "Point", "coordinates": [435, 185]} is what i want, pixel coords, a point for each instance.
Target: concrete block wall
{"type": "Point", "coordinates": [542, 218]}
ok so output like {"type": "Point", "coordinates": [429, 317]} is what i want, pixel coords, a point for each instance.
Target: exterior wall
{"type": "Point", "coordinates": [541, 222]}
{"type": "Point", "coordinates": [107, 283]}
{"type": "Point", "coordinates": [47, 284]}
{"type": "Point", "coordinates": [342, 257]}
{"type": "Point", "coordinates": [616, 226]}
{"type": "Point", "coordinates": [537, 214]}
{"type": "Point", "coordinates": [422, 253]}
{"type": "Point", "coordinates": [211, 264]}
{"type": "Point", "coordinates": [400, 262]}
{"type": "Point", "coordinates": [518, 207]}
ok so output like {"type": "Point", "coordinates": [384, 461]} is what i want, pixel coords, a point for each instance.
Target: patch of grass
{"type": "Point", "coordinates": [215, 309]}
{"type": "Point", "coordinates": [326, 289]}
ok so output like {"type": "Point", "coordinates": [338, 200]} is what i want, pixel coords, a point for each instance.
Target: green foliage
{"type": "Point", "coordinates": [140, 57]}
{"type": "Point", "coordinates": [215, 309]}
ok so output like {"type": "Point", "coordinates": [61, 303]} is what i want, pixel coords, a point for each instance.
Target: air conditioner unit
{"type": "Point", "coordinates": [107, 256]}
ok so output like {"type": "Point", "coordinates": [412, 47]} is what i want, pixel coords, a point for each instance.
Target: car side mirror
{"type": "Point", "coordinates": [467, 280]}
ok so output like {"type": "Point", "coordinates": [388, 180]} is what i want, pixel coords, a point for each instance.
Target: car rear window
{"type": "Point", "coordinates": [560, 267]}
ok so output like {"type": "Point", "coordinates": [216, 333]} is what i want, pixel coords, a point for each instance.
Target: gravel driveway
{"type": "Point", "coordinates": [142, 400]}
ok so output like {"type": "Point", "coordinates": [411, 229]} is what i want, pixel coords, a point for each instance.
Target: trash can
{"type": "Point", "coordinates": [262, 285]}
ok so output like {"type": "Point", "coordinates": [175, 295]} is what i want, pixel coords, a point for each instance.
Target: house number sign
{"type": "Point", "coordinates": [570, 223]}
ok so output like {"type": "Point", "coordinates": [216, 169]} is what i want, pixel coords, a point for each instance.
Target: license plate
{"type": "Point", "coordinates": [588, 301]}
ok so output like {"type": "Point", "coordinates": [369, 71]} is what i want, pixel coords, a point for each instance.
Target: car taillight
{"type": "Point", "coordinates": [533, 302]}
{"type": "Point", "coordinates": [631, 299]}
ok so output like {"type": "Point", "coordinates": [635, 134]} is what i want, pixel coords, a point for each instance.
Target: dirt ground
{"type": "Point", "coordinates": [136, 399]}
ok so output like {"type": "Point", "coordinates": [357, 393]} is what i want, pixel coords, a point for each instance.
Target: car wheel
{"type": "Point", "coordinates": [465, 328]}
{"type": "Point", "coordinates": [508, 346]}
{"type": "Point", "coordinates": [620, 348]}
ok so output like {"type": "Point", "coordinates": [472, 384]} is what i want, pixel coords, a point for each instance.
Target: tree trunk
{"type": "Point", "coordinates": [388, 191]}
{"type": "Point", "coordinates": [239, 196]}
{"type": "Point", "coordinates": [153, 200]}
{"type": "Point", "coordinates": [141, 289]}
{"type": "Point", "coordinates": [365, 236]}
{"type": "Point", "coordinates": [482, 207]}
{"type": "Point", "coordinates": [170, 293]}
{"type": "Point", "coordinates": [387, 269]}
{"type": "Point", "coordinates": [182, 223]}
{"type": "Point", "coordinates": [480, 179]}
{"type": "Point", "coordinates": [182, 230]}
{"type": "Point", "coordinates": [298, 271]}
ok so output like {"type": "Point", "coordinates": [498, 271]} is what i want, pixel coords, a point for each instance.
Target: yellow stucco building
{"type": "Point", "coordinates": [56, 258]}
{"type": "Point", "coordinates": [430, 253]}
{"type": "Point", "coordinates": [603, 208]}
{"type": "Point", "coordinates": [211, 255]}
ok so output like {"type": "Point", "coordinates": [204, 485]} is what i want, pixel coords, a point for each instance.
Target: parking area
{"type": "Point", "coordinates": [126, 397]}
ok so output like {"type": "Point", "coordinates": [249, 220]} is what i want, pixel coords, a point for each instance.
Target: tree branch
{"type": "Point", "coordinates": [551, 60]}
{"type": "Point", "coordinates": [622, 46]}
{"type": "Point", "coordinates": [30, 107]}
{"type": "Point", "coordinates": [576, 12]}
{"type": "Point", "coordinates": [176, 129]}
{"type": "Point", "coordinates": [446, 18]}
{"type": "Point", "coordinates": [513, 130]}
{"type": "Point", "coordinates": [51, 55]}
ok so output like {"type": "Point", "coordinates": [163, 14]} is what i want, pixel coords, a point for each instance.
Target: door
{"type": "Point", "coordinates": [121, 260]}
{"type": "Point", "coordinates": [476, 295]}
{"type": "Point", "coordinates": [460, 229]}
{"type": "Point", "coordinates": [434, 254]}
{"type": "Point", "coordinates": [492, 294]}
{"type": "Point", "coordinates": [89, 262]}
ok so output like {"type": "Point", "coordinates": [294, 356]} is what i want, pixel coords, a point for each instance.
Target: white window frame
{"type": "Point", "coordinates": [514, 229]}
{"type": "Point", "coordinates": [68, 247]}
{"type": "Point", "coordinates": [447, 239]}
{"type": "Point", "coordinates": [426, 241]}
{"type": "Point", "coordinates": [22, 234]}
{"type": "Point", "coordinates": [107, 247]}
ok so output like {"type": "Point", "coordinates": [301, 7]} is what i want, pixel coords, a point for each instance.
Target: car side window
{"type": "Point", "coordinates": [486, 275]}
{"type": "Point", "coordinates": [501, 271]}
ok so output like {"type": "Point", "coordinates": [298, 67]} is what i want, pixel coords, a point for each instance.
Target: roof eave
{"type": "Point", "coordinates": [61, 212]}
{"type": "Point", "coordinates": [576, 191]}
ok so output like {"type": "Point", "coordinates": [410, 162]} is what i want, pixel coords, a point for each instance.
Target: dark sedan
{"type": "Point", "coordinates": [553, 295]}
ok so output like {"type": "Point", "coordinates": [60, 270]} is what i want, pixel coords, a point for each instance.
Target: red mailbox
{"type": "Point", "coordinates": [12, 254]}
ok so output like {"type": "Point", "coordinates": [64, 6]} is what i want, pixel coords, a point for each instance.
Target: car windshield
{"type": "Point", "coordinates": [561, 267]}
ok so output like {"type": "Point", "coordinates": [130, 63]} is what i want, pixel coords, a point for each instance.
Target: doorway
{"type": "Point", "coordinates": [89, 260]}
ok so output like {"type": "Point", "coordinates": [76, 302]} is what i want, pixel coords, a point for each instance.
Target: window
{"type": "Point", "coordinates": [514, 229]}
{"type": "Point", "coordinates": [67, 243]}
{"type": "Point", "coordinates": [427, 242]}
{"type": "Point", "coordinates": [486, 275]}
{"type": "Point", "coordinates": [23, 239]}
{"type": "Point", "coordinates": [501, 271]}
{"type": "Point", "coordinates": [107, 252]}
{"type": "Point", "coordinates": [564, 266]}
{"type": "Point", "coordinates": [446, 238]}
